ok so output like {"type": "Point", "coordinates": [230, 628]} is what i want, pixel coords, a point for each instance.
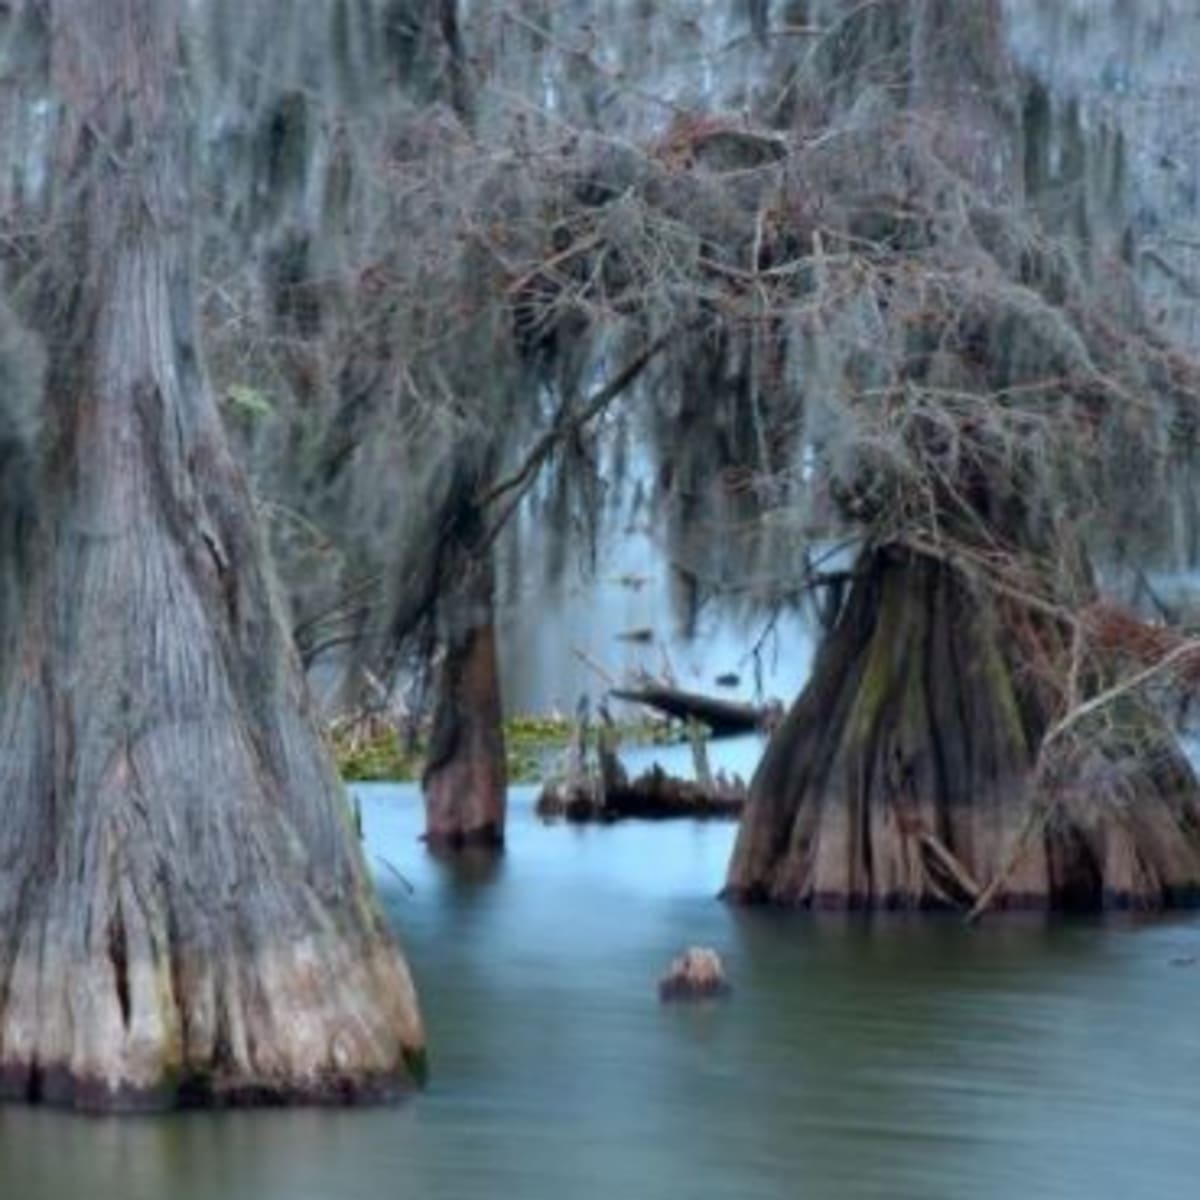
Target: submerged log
{"type": "Point", "coordinates": [724, 718]}
{"type": "Point", "coordinates": [904, 775]}
{"type": "Point", "coordinates": [606, 793]}
{"type": "Point", "coordinates": [653, 795]}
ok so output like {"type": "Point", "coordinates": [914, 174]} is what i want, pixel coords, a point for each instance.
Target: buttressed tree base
{"type": "Point", "coordinates": [906, 775]}
{"type": "Point", "coordinates": [185, 916]}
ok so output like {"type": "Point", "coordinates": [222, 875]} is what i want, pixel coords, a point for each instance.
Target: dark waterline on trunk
{"type": "Point", "coordinates": [886, 1058]}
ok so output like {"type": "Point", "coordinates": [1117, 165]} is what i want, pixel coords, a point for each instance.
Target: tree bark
{"type": "Point", "coordinates": [466, 776]}
{"type": "Point", "coordinates": [185, 916]}
{"type": "Point", "coordinates": [904, 775]}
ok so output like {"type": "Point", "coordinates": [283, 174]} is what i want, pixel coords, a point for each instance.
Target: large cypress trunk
{"type": "Point", "coordinates": [904, 775]}
{"type": "Point", "coordinates": [919, 768]}
{"type": "Point", "coordinates": [184, 912]}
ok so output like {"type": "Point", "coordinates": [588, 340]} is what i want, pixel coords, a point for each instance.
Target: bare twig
{"type": "Point", "coordinates": [1043, 804]}
{"type": "Point", "coordinates": [590, 662]}
{"type": "Point", "coordinates": [523, 478]}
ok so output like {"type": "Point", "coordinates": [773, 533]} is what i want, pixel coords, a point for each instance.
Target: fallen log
{"type": "Point", "coordinates": [653, 795]}
{"type": "Point", "coordinates": [723, 717]}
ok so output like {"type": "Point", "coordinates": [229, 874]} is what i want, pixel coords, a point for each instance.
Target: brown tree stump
{"type": "Point", "coordinates": [466, 776]}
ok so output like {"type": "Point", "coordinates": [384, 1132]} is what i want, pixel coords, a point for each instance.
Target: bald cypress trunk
{"type": "Point", "coordinates": [184, 912]}
{"type": "Point", "coordinates": [914, 770]}
{"type": "Point", "coordinates": [904, 775]}
{"type": "Point", "coordinates": [466, 776]}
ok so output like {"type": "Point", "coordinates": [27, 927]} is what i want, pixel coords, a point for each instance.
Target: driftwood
{"type": "Point", "coordinates": [723, 717]}
{"type": "Point", "coordinates": [606, 793]}
{"type": "Point", "coordinates": [653, 795]}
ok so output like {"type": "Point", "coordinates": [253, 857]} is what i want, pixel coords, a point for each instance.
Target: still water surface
{"type": "Point", "coordinates": [856, 1059]}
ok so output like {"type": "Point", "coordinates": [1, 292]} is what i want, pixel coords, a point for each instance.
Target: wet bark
{"type": "Point", "coordinates": [903, 776]}
{"type": "Point", "coordinates": [466, 776]}
{"type": "Point", "coordinates": [184, 913]}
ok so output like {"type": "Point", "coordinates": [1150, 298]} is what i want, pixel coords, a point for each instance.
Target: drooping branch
{"type": "Point", "coordinates": [568, 426]}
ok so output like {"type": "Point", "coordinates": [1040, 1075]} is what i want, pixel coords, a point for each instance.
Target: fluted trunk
{"type": "Point", "coordinates": [185, 916]}
{"type": "Point", "coordinates": [903, 776]}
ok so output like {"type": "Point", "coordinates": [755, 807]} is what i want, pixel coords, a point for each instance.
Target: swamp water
{"type": "Point", "coordinates": [856, 1058]}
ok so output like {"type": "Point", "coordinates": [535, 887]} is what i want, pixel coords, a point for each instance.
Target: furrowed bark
{"type": "Point", "coordinates": [185, 916]}
{"type": "Point", "coordinates": [903, 777]}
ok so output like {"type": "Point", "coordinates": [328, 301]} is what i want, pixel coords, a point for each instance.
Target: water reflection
{"type": "Point", "coordinates": [884, 1058]}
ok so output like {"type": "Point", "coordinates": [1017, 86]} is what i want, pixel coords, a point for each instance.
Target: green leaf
{"type": "Point", "coordinates": [249, 401]}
